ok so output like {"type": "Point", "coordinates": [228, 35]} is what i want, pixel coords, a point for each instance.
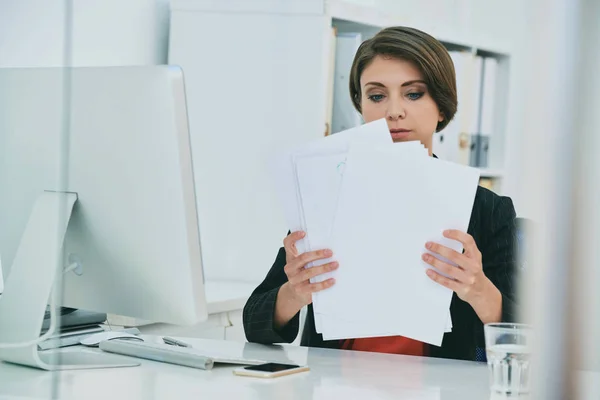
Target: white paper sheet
{"type": "Point", "coordinates": [382, 274]}
{"type": "Point", "coordinates": [335, 328]}
{"type": "Point", "coordinates": [319, 176]}
{"type": "Point", "coordinates": [284, 170]}
{"type": "Point", "coordinates": [309, 182]}
{"type": "Point", "coordinates": [319, 179]}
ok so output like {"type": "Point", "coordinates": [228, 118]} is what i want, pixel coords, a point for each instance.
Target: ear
{"type": "Point", "coordinates": [441, 117]}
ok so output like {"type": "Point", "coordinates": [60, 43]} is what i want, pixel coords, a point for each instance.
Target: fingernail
{"type": "Point", "coordinates": [302, 234]}
{"type": "Point", "coordinates": [429, 272]}
{"type": "Point", "coordinates": [328, 253]}
{"type": "Point", "coordinates": [335, 265]}
{"type": "Point", "coordinates": [425, 257]}
{"type": "Point", "coordinates": [428, 245]}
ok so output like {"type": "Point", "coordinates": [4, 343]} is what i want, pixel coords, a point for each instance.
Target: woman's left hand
{"type": "Point", "coordinates": [467, 279]}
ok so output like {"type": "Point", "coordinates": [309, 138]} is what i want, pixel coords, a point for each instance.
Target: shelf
{"type": "Point", "coordinates": [358, 14]}
{"type": "Point", "coordinates": [491, 173]}
{"type": "Point", "coordinates": [368, 20]}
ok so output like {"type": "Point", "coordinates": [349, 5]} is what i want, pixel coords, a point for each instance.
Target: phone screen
{"type": "Point", "coordinates": [271, 367]}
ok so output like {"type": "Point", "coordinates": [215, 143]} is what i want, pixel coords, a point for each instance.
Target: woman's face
{"type": "Point", "coordinates": [394, 89]}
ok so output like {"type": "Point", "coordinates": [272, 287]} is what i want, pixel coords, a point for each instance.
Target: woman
{"type": "Point", "coordinates": [407, 77]}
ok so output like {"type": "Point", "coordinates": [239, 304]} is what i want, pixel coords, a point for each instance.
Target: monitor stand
{"type": "Point", "coordinates": [36, 267]}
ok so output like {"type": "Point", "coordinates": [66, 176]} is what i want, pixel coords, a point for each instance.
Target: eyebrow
{"type": "Point", "coordinates": [407, 83]}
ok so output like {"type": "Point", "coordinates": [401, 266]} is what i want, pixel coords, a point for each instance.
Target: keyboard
{"type": "Point", "coordinates": [60, 311]}
{"type": "Point", "coordinates": [186, 356]}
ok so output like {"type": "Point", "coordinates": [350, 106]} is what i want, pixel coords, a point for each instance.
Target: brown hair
{"type": "Point", "coordinates": [413, 45]}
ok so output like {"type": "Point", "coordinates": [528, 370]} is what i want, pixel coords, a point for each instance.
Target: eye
{"type": "Point", "coordinates": [415, 96]}
{"type": "Point", "coordinates": [376, 98]}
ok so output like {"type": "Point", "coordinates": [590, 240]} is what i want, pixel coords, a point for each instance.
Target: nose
{"type": "Point", "coordinates": [395, 111]}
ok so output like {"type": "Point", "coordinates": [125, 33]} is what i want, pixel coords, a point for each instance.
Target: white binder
{"type": "Point", "coordinates": [344, 114]}
{"type": "Point", "coordinates": [489, 94]}
{"type": "Point", "coordinates": [330, 71]}
{"type": "Point", "coordinates": [457, 135]}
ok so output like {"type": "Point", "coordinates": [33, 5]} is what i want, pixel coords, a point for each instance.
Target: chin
{"type": "Point", "coordinates": [402, 139]}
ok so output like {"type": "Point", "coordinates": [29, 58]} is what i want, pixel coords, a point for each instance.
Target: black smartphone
{"type": "Point", "coordinates": [270, 370]}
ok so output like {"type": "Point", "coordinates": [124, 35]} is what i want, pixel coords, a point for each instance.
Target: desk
{"type": "Point", "coordinates": [335, 374]}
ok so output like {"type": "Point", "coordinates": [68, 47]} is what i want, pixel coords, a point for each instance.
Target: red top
{"type": "Point", "coordinates": [388, 344]}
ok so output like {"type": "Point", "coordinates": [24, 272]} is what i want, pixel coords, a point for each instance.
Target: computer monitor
{"type": "Point", "coordinates": [116, 140]}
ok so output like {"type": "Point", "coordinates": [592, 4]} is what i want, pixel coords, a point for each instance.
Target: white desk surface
{"type": "Point", "coordinates": [335, 374]}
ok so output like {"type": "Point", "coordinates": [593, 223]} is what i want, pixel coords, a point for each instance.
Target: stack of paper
{"type": "Point", "coordinates": [376, 204]}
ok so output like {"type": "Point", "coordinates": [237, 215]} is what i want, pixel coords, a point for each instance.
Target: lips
{"type": "Point", "coordinates": [399, 134]}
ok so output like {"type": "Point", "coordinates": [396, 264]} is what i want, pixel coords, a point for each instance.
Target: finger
{"type": "Point", "coordinates": [300, 262]}
{"type": "Point", "coordinates": [311, 256]}
{"type": "Point", "coordinates": [471, 249]}
{"type": "Point", "coordinates": [317, 287]}
{"type": "Point", "coordinates": [442, 280]}
{"type": "Point", "coordinates": [289, 243]}
{"type": "Point", "coordinates": [448, 253]}
{"type": "Point", "coordinates": [450, 270]}
{"type": "Point", "coordinates": [292, 238]}
{"type": "Point", "coordinates": [308, 273]}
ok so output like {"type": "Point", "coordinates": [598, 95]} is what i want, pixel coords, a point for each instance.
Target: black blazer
{"type": "Point", "coordinates": [492, 225]}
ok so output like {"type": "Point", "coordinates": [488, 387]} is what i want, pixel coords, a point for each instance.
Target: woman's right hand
{"type": "Point", "coordinates": [299, 285]}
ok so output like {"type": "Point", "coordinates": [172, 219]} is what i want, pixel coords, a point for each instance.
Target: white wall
{"type": "Point", "coordinates": [105, 32]}
{"type": "Point", "coordinates": [252, 73]}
